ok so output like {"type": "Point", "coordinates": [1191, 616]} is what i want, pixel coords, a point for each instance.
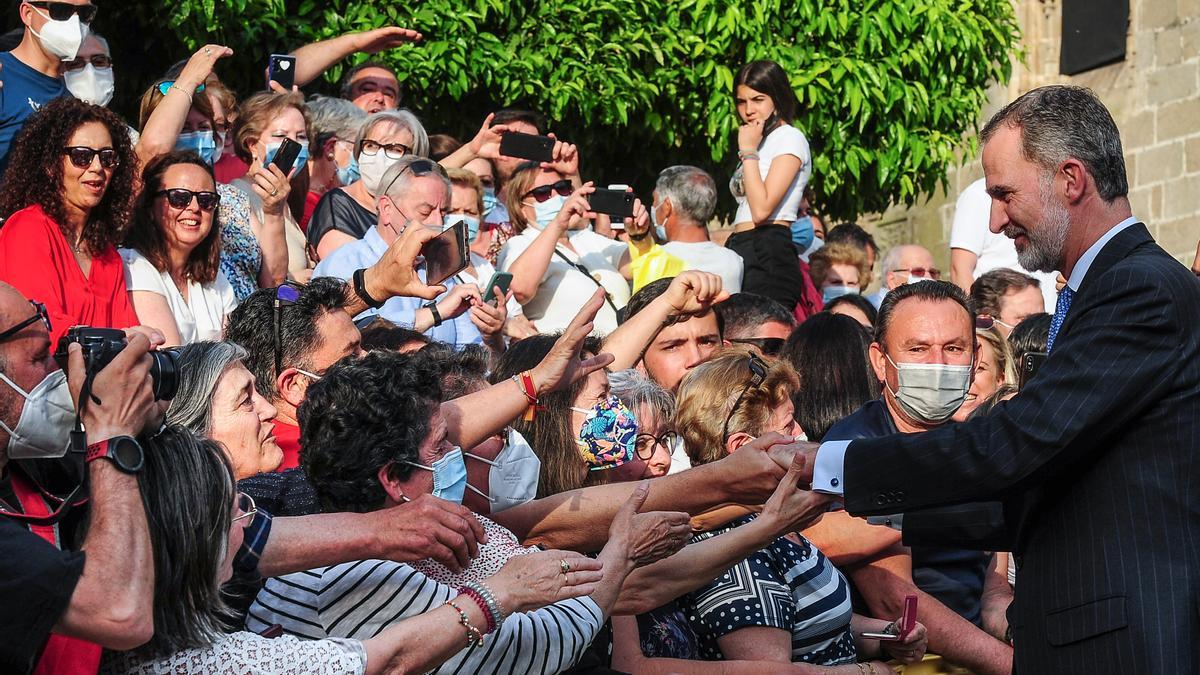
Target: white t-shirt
{"type": "Point", "coordinates": [970, 232]}
{"type": "Point", "coordinates": [201, 316]}
{"type": "Point", "coordinates": [706, 256]}
{"type": "Point", "coordinates": [565, 288]}
{"type": "Point", "coordinates": [786, 140]}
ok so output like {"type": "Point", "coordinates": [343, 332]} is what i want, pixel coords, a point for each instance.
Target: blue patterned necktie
{"type": "Point", "coordinates": [1060, 313]}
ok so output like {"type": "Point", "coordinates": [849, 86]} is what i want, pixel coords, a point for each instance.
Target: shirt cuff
{"type": "Point", "coordinates": [828, 467]}
{"type": "Point", "coordinates": [254, 542]}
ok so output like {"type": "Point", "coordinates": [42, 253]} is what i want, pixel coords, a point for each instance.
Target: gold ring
{"type": "Point", "coordinates": [564, 566]}
{"type": "Point", "coordinates": [274, 192]}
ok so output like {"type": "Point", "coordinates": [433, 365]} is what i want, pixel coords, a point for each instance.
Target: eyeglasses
{"type": "Point", "coordinates": [419, 168]}
{"type": "Point", "coordinates": [758, 374]}
{"type": "Point", "coordinates": [768, 346]}
{"type": "Point", "coordinates": [39, 312]}
{"type": "Point", "coordinates": [63, 11]}
{"type": "Point", "coordinates": [543, 192]}
{"type": "Point", "coordinates": [390, 150]}
{"type": "Point", "coordinates": [81, 156]}
{"type": "Point", "coordinates": [247, 507]}
{"type": "Point", "coordinates": [165, 86]}
{"type": "Point", "coordinates": [287, 293]}
{"type": "Point", "coordinates": [645, 444]}
{"type": "Point", "coordinates": [986, 321]}
{"type": "Point", "coordinates": [181, 198]}
{"type": "Point", "coordinates": [931, 272]}
{"type": "Point", "coordinates": [97, 61]}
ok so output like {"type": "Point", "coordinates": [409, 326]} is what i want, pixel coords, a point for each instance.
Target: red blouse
{"type": "Point", "coordinates": [36, 259]}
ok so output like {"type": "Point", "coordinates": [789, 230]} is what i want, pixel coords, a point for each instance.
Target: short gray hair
{"type": "Point", "coordinates": [200, 365]}
{"type": "Point", "coordinates": [1058, 122]}
{"type": "Point", "coordinates": [397, 179]}
{"type": "Point", "coordinates": [692, 192]}
{"type": "Point", "coordinates": [402, 118]}
{"type": "Point", "coordinates": [334, 117]}
{"type": "Point", "coordinates": [635, 389]}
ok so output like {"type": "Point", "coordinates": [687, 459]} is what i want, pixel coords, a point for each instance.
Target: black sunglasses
{"type": "Point", "coordinates": [39, 313]}
{"type": "Point", "coordinates": [543, 192]}
{"type": "Point", "coordinates": [645, 444]}
{"type": "Point", "coordinates": [758, 374]}
{"type": "Point", "coordinates": [286, 294]}
{"type": "Point", "coordinates": [97, 61]}
{"type": "Point", "coordinates": [181, 198]}
{"type": "Point", "coordinates": [81, 156]}
{"type": "Point", "coordinates": [63, 11]}
{"type": "Point", "coordinates": [768, 346]}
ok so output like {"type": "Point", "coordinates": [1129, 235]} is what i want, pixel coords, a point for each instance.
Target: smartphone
{"type": "Point", "coordinates": [446, 254]}
{"type": "Point", "coordinates": [281, 68]}
{"type": "Point", "coordinates": [285, 156]}
{"type": "Point", "coordinates": [501, 279]}
{"type": "Point", "coordinates": [527, 146]}
{"type": "Point", "coordinates": [907, 622]}
{"type": "Point", "coordinates": [616, 203]}
{"type": "Point", "coordinates": [1030, 363]}
{"type": "Point", "coordinates": [618, 224]}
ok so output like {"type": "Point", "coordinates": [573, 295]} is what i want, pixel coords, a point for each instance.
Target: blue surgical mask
{"type": "Point", "coordinates": [301, 159]}
{"type": "Point", "coordinates": [449, 476]}
{"type": "Point", "coordinates": [545, 212]}
{"type": "Point", "coordinates": [802, 233]}
{"type": "Point", "coordinates": [203, 143]}
{"type": "Point", "coordinates": [349, 173]}
{"type": "Point", "coordinates": [660, 229]}
{"type": "Point", "coordinates": [830, 292]}
{"type": "Point", "coordinates": [660, 232]}
{"type": "Point", "coordinates": [471, 221]}
{"type": "Point", "coordinates": [489, 199]}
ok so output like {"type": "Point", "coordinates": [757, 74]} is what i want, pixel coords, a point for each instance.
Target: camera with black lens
{"type": "Point", "coordinates": [101, 346]}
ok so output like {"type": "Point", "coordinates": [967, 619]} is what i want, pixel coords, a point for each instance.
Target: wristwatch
{"type": "Point", "coordinates": [360, 289]}
{"type": "Point", "coordinates": [123, 451]}
{"type": "Point", "coordinates": [437, 316]}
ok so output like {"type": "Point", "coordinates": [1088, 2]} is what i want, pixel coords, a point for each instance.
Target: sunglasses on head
{"type": "Point", "coordinates": [286, 294]}
{"type": "Point", "coordinates": [63, 11]}
{"type": "Point", "coordinates": [181, 198]}
{"type": "Point", "coordinates": [97, 61]}
{"type": "Point", "coordinates": [543, 192]}
{"type": "Point", "coordinates": [931, 272]}
{"type": "Point", "coordinates": [419, 168]}
{"type": "Point", "coordinates": [758, 374]}
{"type": "Point", "coordinates": [39, 313]}
{"type": "Point", "coordinates": [81, 156]}
{"type": "Point", "coordinates": [165, 86]}
{"type": "Point", "coordinates": [768, 346]}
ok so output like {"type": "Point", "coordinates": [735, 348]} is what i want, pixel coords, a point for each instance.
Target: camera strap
{"type": "Point", "coordinates": [79, 434]}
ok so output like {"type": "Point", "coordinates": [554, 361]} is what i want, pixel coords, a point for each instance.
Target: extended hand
{"type": "Point", "coordinates": [395, 274]}
{"type": "Point", "coordinates": [693, 292]}
{"type": "Point", "coordinates": [793, 507]}
{"type": "Point", "coordinates": [428, 527]}
{"type": "Point", "coordinates": [912, 648]}
{"type": "Point", "coordinates": [529, 582]}
{"type": "Point", "coordinates": [375, 41]}
{"type": "Point", "coordinates": [565, 364]}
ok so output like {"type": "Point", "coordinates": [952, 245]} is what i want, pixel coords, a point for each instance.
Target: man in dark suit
{"type": "Point", "coordinates": [1093, 460]}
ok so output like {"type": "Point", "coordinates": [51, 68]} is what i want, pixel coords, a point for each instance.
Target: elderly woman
{"type": "Point", "coordinates": [196, 521]}
{"type": "Point", "coordinates": [798, 606]}
{"type": "Point", "coordinates": [345, 214]}
{"type": "Point", "coordinates": [66, 199]}
{"type": "Point", "coordinates": [264, 122]}
{"type": "Point", "coordinates": [838, 269]}
{"type": "Point", "coordinates": [375, 436]}
{"type": "Point", "coordinates": [174, 249]}
{"type": "Point", "coordinates": [994, 368]}
{"type": "Point", "coordinates": [654, 408]}
{"type": "Point", "coordinates": [335, 123]}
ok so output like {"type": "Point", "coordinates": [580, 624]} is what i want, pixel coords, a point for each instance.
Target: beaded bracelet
{"type": "Point", "coordinates": [747, 156]}
{"type": "Point", "coordinates": [489, 598]}
{"type": "Point", "coordinates": [483, 607]}
{"type": "Point", "coordinates": [474, 637]}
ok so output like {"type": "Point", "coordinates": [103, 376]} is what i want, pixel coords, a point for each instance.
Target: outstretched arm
{"type": "Point", "coordinates": [312, 60]}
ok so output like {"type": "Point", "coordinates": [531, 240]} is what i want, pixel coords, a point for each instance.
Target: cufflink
{"type": "Point", "coordinates": [833, 482]}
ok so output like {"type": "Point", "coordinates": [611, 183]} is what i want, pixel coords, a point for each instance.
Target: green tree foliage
{"type": "Point", "coordinates": [887, 87]}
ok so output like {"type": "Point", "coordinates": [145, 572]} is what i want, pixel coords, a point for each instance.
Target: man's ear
{"type": "Point", "coordinates": [1076, 178]}
{"type": "Point", "coordinates": [292, 386]}
{"type": "Point", "coordinates": [878, 361]}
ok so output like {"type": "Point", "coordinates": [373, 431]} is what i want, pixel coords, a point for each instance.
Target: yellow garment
{"type": "Point", "coordinates": [653, 265]}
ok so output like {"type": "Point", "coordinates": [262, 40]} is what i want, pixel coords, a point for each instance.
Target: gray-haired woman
{"type": "Point", "coordinates": [196, 518]}
{"type": "Point", "coordinates": [217, 400]}
{"type": "Point", "coordinates": [654, 408]}
{"type": "Point", "coordinates": [335, 125]}
{"type": "Point", "coordinates": [345, 214]}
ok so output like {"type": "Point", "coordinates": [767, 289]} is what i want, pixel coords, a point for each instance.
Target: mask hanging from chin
{"type": "Point", "coordinates": [47, 417]}
{"type": "Point", "coordinates": [513, 478]}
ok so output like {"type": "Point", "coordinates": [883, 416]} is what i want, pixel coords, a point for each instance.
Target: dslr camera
{"type": "Point", "coordinates": [101, 345]}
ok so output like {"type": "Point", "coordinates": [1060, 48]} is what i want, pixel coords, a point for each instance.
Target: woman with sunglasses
{"type": "Point", "coordinates": [66, 199]}
{"type": "Point", "coordinates": [556, 258]}
{"type": "Point", "coordinates": [172, 263]}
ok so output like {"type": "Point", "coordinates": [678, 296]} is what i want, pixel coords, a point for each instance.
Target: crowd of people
{"type": "Point", "coordinates": [583, 452]}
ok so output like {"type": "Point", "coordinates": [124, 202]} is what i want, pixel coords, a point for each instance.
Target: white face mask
{"type": "Point", "coordinates": [90, 84]}
{"type": "Point", "coordinates": [47, 417]}
{"type": "Point", "coordinates": [930, 392]}
{"type": "Point", "coordinates": [61, 38]}
{"type": "Point", "coordinates": [372, 167]}
{"type": "Point", "coordinates": [513, 479]}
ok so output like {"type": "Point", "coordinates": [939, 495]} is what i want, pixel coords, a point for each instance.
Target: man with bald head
{"type": "Point", "coordinates": [904, 264]}
{"type": "Point", "coordinates": [62, 605]}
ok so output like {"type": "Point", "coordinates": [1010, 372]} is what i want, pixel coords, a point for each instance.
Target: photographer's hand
{"type": "Point", "coordinates": [122, 401]}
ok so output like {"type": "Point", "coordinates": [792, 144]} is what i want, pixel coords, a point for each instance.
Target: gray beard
{"type": "Point", "coordinates": [1044, 253]}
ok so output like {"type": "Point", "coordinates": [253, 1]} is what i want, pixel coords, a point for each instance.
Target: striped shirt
{"type": "Point", "coordinates": [786, 585]}
{"type": "Point", "coordinates": [361, 599]}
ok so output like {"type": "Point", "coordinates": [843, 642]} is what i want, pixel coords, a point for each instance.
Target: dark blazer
{"type": "Point", "coordinates": [1097, 463]}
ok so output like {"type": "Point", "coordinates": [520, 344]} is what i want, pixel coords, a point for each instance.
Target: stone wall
{"type": "Point", "coordinates": [1154, 95]}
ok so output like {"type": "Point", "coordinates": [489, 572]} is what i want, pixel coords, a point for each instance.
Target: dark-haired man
{"type": "Point", "coordinates": [757, 322]}
{"type": "Point", "coordinates": [1008, 296]}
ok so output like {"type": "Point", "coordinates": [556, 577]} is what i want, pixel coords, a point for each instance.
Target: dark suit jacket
{"type": "Point", "coordinates": [1097, 463]}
